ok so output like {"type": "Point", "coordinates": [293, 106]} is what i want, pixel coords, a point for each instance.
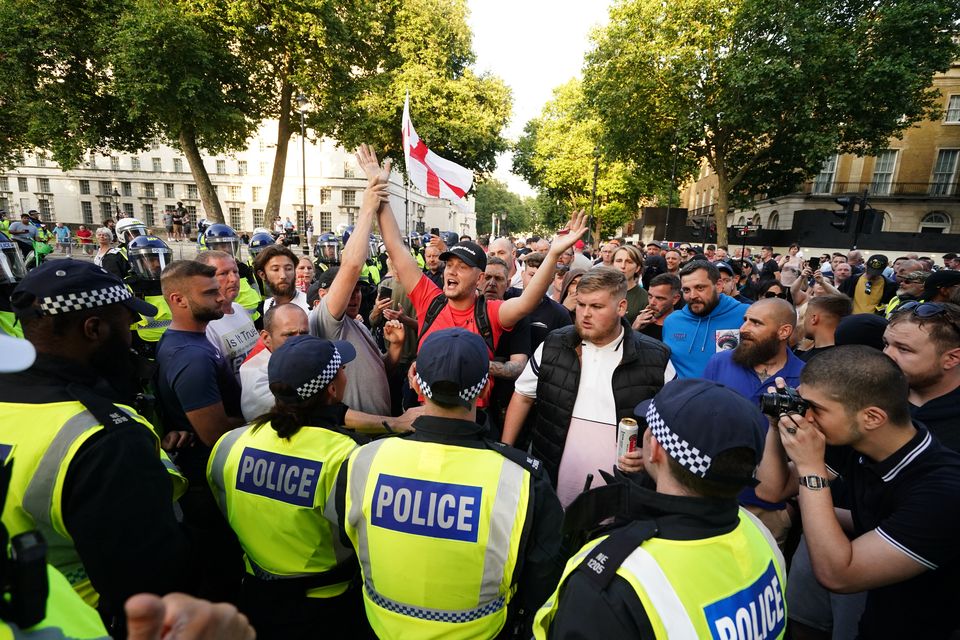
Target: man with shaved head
{"type": "Point", "coordinates": [762, 356]}
{"type": "Point", "coordinates": [505, 250]}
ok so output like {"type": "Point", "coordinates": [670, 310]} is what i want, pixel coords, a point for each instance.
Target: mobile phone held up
{"type": "Point", "coordinates": [813, 263]}
{"type": "Point", "coordinates": [385, 293]}
{"type": "Point", "coordinates": [435, 231]}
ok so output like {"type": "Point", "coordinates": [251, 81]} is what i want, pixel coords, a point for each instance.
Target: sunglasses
{"type": "Point", "coordinates": [771, 294]}
{"type": "Point", "coordinates": [928, 310]}
{"type": "Point", "coordinates": [868, 287]}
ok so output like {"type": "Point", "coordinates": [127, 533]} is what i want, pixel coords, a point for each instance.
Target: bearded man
{"type": "Point", "coordinates": [762, 356]}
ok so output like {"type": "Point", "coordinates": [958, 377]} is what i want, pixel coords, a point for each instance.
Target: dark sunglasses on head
{"type": "Point", "coordinates": [771, 294]}
{"type": "Point", "coordinates": [928, 310]}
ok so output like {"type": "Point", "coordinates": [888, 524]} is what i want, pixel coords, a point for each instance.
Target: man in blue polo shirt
{"type": "Point", "coordinates": [762, 355]}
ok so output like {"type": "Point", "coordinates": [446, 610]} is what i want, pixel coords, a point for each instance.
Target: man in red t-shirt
{"type": "Point", "coordinates": [85, 237]}
{"type": "Point", "coordinates": [465, 265]}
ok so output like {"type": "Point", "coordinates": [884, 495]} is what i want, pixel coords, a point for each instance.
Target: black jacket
{"type": "Point", "coordinates": [849, 287]}
{"type": "Point", "coordinates": [638, 377]}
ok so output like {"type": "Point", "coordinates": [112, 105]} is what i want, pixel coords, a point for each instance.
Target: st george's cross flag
{"type": "Point", "coordinates": [430, 173]}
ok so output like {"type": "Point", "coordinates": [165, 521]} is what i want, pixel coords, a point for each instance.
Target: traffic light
{"type": "Point", "coordinates": [846, 216]}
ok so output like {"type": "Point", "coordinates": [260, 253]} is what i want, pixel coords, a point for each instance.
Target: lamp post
{"type": "Point", "coordinates": [503, 218]}
{"type": "Point", "coordinates": [593, 196]}
{"type": "Point", "coordinates": [116, 203]}
{"type": "Point", "coordinates": [302, 102]}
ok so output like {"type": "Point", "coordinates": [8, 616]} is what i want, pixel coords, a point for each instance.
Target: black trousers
{"type": "Point", "coordinates": [279, 614]}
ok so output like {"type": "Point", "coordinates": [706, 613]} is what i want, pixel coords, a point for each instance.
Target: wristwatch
{"type": "Point", "coordinates": [814, 483]}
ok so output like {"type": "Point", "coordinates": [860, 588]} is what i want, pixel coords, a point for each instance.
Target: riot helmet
{"type": "Point", "coordinates": [222, 237]}
{"type": "Point", "coordinates": [127, 229]}
{"type": "Point", "coordinates": [260, 241]}
{"type": "Point", "coordinates": [327, 249]}
{"type": "Point", "coordinates": [414, 240]}
{"type": "Point", "coordinates": [12, 269]}
{"type": "Point", "coordinates": [149, 256]}
{"type": "Point", "coordinates": [449, 238]}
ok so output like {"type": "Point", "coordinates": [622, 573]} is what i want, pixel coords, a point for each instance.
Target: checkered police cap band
{"type": "Point", "coordinates": [679, 449]}
{"type": "Point", "coordinates": [467, 395]}
{"type": "Point", "coordinates": [319, 383]}
{"type": "Point", "coordinates": [81, 300]}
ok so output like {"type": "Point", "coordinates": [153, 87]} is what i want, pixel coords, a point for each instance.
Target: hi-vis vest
{"type": "Point", "coordinates": [273, 492]}
{"type": "Point", "coordinates": [728, 587]}
{"type": "Point", "coordinates": [151, 329]}
{"type": "Point", "coordinates": [249, 298]}
{"type": "Point", "coordinates": [67, 617]}
{"type": "Point", "coordinates": [453, 514]}
{"type": "Point", "coordinates": [9, 325]}
{"type": "Point", "coordinates": [47, 437]}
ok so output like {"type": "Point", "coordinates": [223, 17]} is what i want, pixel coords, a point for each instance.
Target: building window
{"type": "Point", "coordinates": [191, 214]}
{"type": "Point", "coordinates": [84, 187]}
{"type": "Point", "coordinates": [46, 211]}
{"type": "Point", "coordinates": [106, 188]}
{"type": "Point", "coordinates": [255, 193]}
{"type": "Point", "coordinates": [348, 170]}
{"type": "Point", "coordinates": [168, 191]}
{"type": "Point", "coordinates": [883, 172]}
{"type": "Point", "coordinates": [86, 210]}
{"type": "Point", "coordinates": [935, 222]}
{"type": "Point", "coordinates": [221, 166]}
{"type": "Point", "coordinates": [326, 221]}
{"type": "Point", "coordinates": [157, 164]}
{"type": "Point", "coordinates": [234, 192]}
{"type": "Point", "coordinates": [192, 191]}
{"type": "Point", "coordinates": [261, 145]}
{"type": "Point", "coordinates": [134, 164]}
{"type": "Point", "coordinates": [4, 183]}
{"type": "Point", "coordinates": [148, 214]}
{"type": "Point", "coordinates": [148, 191]}
{"type": "Point", "coordinates": [92, 161]}
{"type": "Point", "coordinates": [114, 163]}
{"type": "Point", "coordinates": [4, 203]}
{"type": "Point", "coordinates": [756, 220]}
{"type": "Point", "coordinates": [325, 196]}
{"type": "Point", "coordinates": [349, 198]}
{"type": "Point", "coordinates": [823, 183]}
{"type": "Point", "coordinates": [257, 218]}
{"type": "Point", "coordinates": [773, 222]}
{"type": "Point", "coordinates": [242, 167]}
{"type": "Point", "coordinates": [236, 221]}
{"type": "Point", "coordinates": [944, 173]}
{"type": "Point", "coordinates": [128, 209]}
{"type": "Point", "coordinates": [953, 109]}
{"type": "Point", "coordinates": [301, 219]}
{"type": "Point", "coordinates": [351, 217]}
{"type": "Point", "coordinates": [106, 211]}
{"type": "Point", "coordinates": [261, 168]}
{"type": "Point", "coordinates": [126, 188]}
{"type": "Point", "coordinates": [22, 184]}
{"type": "Point", "coordinates": [178, 165]}
{"type": "Point", "coordinates": [43, 185]}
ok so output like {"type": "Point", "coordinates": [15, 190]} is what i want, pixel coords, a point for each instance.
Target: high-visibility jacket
{"type": "Point", "coordinates": [249, 298]}
{"type": "Point", "coordinates": [9, 325]}
{"type": "Point", "coordinates": [47, 437]}
{"type": "Point", "coordinates": [273, 492]}
{"type": "Point", "coordinates": [437, 529]}
{"type": "Point", "coordinates": [67, 616]}
{"type": "Point", "coordinates": [728, 586]}
{"type": "Point", "coordinates": [152, 329]}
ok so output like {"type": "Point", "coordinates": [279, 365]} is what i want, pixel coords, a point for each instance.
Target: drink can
{"type": "Point", "coordinates": [626, 436]}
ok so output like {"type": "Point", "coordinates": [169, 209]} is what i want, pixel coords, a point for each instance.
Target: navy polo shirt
{"type": "Point", "coordinates": [912, 500]}
{"type": "Point", "coordinates": [721, 368]}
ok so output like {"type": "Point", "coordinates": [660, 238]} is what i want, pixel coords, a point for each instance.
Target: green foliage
{"type": "Point", "coordinates": [764, 90]}
{"type": "Point", "coordinates": [493, 197]}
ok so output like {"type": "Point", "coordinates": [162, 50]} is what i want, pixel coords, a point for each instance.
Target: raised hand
{"type": "Point", "coordinates": [575, 229]}
{"type": "Point", "coordinates": [367, 159]}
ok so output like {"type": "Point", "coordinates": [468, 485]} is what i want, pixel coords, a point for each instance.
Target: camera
{"type": "Point", "coordinates": [785, 400]}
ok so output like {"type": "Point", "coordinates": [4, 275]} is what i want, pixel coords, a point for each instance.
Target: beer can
{"type": "Point", "coordinates": [626, 436]}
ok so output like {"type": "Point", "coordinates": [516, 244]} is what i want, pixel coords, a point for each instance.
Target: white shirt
{"type": "Point", "coordinates": [255, 396]}
{"type": "Point", "coordinates": [300, 300]}
{"type": "Point", "coordinates": [234, 335]}
{"type": "Point", "coordinates": [517, 280]}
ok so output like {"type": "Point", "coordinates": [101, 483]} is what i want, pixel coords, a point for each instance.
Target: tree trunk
{"type": "Point", "coordinates": [208, 197]}
{"type": "Point", "coordinates": [720, 214]}
{"type": "Point", "coordinates": [280, 157]}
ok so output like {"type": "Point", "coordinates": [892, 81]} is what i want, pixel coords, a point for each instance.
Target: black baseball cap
{"type": "Point", "coordinates": [943, 278]}
{"type": "Point", "coordinates": [696, 420]}
{"type": "Point", "coordinates": [68, 285]}
{"type": "Point", "coordinates": [325, 279]}
{"type": "Point", "coordinates": [876, 264]}
{"type": "Point", "coordinates": [453, 366]}
{"type": "Point", "coordinates": [308, 364]}
{"type": "Point", "coordinates": [469, 252]}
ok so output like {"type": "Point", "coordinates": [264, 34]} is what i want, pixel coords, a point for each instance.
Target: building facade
{"type": "Point", "coordinates": [915, 182]}
{"type": "Point", "coordinates": [145, 184]}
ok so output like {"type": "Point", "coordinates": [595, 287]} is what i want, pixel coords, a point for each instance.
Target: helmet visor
{"type": "Point", "coordinates": [12, 269]}
{"type": "Point", "coordinates": [230, 245]}
{"type": "Point", "coordinates": [149, 262]}
{"type": "Point", "coordinates": [329, 252]}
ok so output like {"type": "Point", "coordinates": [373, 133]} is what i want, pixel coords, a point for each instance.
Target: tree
{"type": "Point", "coordinates": [764, 90]}
{"type": "Point", "coordinates": [493, 197]}
{"type": "Point", "coordinates": [557, 155]}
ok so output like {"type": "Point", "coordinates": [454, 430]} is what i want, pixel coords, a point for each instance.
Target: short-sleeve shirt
{"type": "Point", "coordinates": [424, 293]}
{"type": "Point", "coordinates": [62, 233]}
{"type": "Point", "coordinates": [84, 235]}
{"type": "Point", "coordinates": [235, 336]}
{"type": "Point", "coordinates": [769, 270]}
{"type": "Point", "coordinates": [910, 500]}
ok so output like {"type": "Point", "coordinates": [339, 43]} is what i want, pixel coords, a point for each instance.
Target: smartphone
{"type": "Point", "coordinates": [385, 293]}
{"type": "Point", "coordinates": [435, 231]}
{"type": "Point", "coordinates": [813, 263]}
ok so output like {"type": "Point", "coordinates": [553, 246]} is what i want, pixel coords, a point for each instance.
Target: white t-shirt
{"type": "Point", "coordinates": [234, 335]}
{"type": "Point", "coordinates": [300, 300]}
{"type": "Point", "coordinates": [255, 396]}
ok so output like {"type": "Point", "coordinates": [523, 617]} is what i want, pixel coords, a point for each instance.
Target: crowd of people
{"type": "Point", "coordinates": [436, 437]}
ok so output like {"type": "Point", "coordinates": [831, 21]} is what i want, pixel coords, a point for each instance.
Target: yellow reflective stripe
{"type": "Point", "coordinates": [666, 603]}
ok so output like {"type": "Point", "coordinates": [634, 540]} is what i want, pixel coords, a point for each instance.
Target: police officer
{"type": "Point", "coordinates": [457, 536]}
{"type": "Point", "coordinates": [126, 230]}
{"type": "Point", "coordinates": [148, 257]}
{"type": "Point", "coordinates": [327, 251]}
{"type": "Point", "coordinates": [222, 237]}
{"type": "Point", "coordinates": [12, 271]}
{"type": "Point", "coordinates": [88, 468]}
{"type": "Point", "coordinates": [370, 272]}
{"type": "Point", "coordinates": [682, 560]}
{"type": "Point", "coordinates": [273, 478]}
